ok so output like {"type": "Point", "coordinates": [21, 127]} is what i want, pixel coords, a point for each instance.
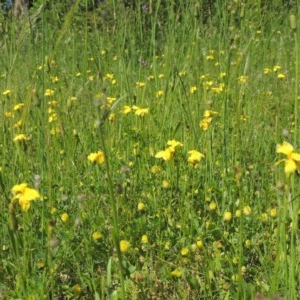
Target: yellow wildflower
{"type": "Point", "coordinates": [18, 106]}
{"type": "Point", "coordinates": [96, 235]}
{"type": "Point", "coordinates": [24, 195]}
{"type": "Point", "coordinates": [166, 154]}
{"type": "Point", "coordinates": [64, 217]}
{"type": "Point", "coordinates": [227, 216]}
{"type": "Point", "coordinates": [194, 157]}
{"type": "Point", "coordinates": [49, 92]}
{"type": "Point", "coordinates": [126, 109]}
{"type": "Point", "coordinates": [193, 89]}
{"type": "Point", "coordinates": [292, 162]}
{"type": "Point", "coordinates": [6, 92]}
{"type": "Point", "coordinates": [97, 157]}
{"type": "Point", "coordinates": [124, 246]}
{"type": "Point", "coordinates": [145, 239]}
{"type": "Point", "coordinates": [184, 251]}
{"type": "Point", "coordinates": [20, 137]}
{"type": "Point", "coordinates": [177, 273]}
{"type": "Point", "coordinates": [140, 111]}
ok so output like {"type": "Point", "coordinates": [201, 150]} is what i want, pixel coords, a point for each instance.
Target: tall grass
{"type": "Point", "coordinates": [144, 86]}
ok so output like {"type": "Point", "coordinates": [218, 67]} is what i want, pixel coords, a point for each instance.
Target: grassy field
{"type": "Point", "coordinates": [150, 152]}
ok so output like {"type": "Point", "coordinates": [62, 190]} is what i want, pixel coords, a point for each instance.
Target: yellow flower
{"type": "Point", "coordinates": [24, 195]}
{"type": "Point", "coordinates": [141, 206]}
{"type": "Point", "coordinates": [77, 289]}
{"type": "Point", "coordinates": [6, 92]}
{"type": "Point", "coordinates": [145, 239]}
{"type": "Point", "coordinates": [49, 92]}
{"type": "Point", "coordinates": [227, 216]}
{"type": "Point", "coordinates": [20, 137]}
{"type": "Point", "coordinates": [96, 235]}
{"type": "Point", "coordinates": [193, 89]}
{"type": "Point", "coordinates": [184, 251]}
{"type": "Point", "coordinates": [243, 79]}
{"type": "Point", "coordinates": [155, 169]}
{"type": "Point", "coordinates": [126, 109]}
{"type": "Point", "coordinates": [97, 157]}
{"type": "Point", "coordinates": [64, 217]}
{"type": "Point", "coordinates": [247, 210]}
{"type": "Point", "coordinates": [140, 84]}
{"type": "Point", "coordinates": [194, 157]}
{"type": "Point", "coordinates": [281, 76]}
{"type": "Point", "coordinates": [212, 206]}
{"type": "Point", "coordinates": [174, 143]}
{"type": "Point", "coordinates": [124, 246]}
{"type": "Point", "coordinates": [140, 111]}
{"type": "Point", "coordinates": [177, 273]}
{"type": "Point", "coordinates": [18, 106]}
{"type": "Point", "coordinates": [273, 212]}
{"type": "Point", "coordinates": [209, 113]}
{"type": "Point", "coordinates": [199, 244]}
{"type": "Point", "coordinates": [166, 154]}
{"type": "Point", "coordinates": [292, 162]}
{"type": "Point", "coordinates": [204, 124]}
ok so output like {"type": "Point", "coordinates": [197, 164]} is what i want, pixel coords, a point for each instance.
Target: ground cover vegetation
{"type": "Point", "coordinates": [150, 150]}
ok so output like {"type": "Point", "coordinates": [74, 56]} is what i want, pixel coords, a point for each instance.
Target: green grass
{"type": "Point", "coordinates": [74, 71]}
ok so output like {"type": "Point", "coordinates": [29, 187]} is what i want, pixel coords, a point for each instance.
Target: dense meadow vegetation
{"type": "Point", "coordinates": [150, 150]}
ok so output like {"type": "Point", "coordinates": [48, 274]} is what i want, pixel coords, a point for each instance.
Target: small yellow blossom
{"type": "Point", "coordinates": [155, 169]}
{"type": "Point", "coordinates": [64, 217]}
{"type": "Point", "coordinates": [267, 70]}
{"type": "Point", "coordinates": [176, 273]}
{"type": "Point", "coordinates": [124, 246]}
{"type": "Point", "coordinates": [54, 79]}
{"type": "Point", "coordinates": [24, 195]}
{"type": "Point", "coordinates": [185, 251]}
{"type": "Point", "coordinates": [97, 157]}
{"type": "Point", "coordinates": [141, 206]}
{"type": "Point", "coordinates": [182, 73]}
{"type": "Point", "coordinates": [159, 93]}
{"type": "Point", "coordinates": [199, 244]}
{"type": "Point", "coordinates": [77, 289]}
{"type": "Point", "coordinates": [194, 157]}
{"type": "Point", "coordinates": [97, 235]}
{"type": "Point", "coordinates": [243, 79]}
{"type": "Point", "coordinates": [167, 154]}
{"type": "Point", "coordinates": [210, 57]}
{"type": "Point", "coordinates": [140, 84]}
{"type": "Point", "coordinates": [165, 184]}
{"type": "Point", "coordinates": [212, 206]}
{"type": "Point", "coordinates": [8, 114]}
{"type": "Point", "coordinates": [145, 239]}
{"type": "Point", "coordinates": [49, 92]}
{"type": "Point", "coordinates": [150, 77]}
{"type": "Point", "coordinates": [292, 162]}
{"type": "Point", "coordinates": [204, 123]}
{"type": "Point", "coordinates": [193, 89]}
{"type": "Point", "coordinates": [276, 68]}
{"type": "Point", "coordinates": [18, 106]}
{"type": "Point", "coordinates": [126, 110]}
{"type": "Point", "coordinates": [20, 137]}
{"type": "Point", "coordinates": [6, 93]}
{"type": "Point", "coordinates": [247, 210]}
{"type": "Point", "coordinates": [227, 216]}
{"type": "Point", "coordinates": [173, 144]}
{"type": "Point", "coordinates": [160, 76]}
{"type": "Point", "coordinates": [281, 76]}
{"type": "Point", "coordinates": [238, 213]}
{"type": "Point", "coordinates": [273, 212]}
{"type": "Point", "coordinates": [209, 113]}
{"type": "Point", "coordinates": [140, 111]}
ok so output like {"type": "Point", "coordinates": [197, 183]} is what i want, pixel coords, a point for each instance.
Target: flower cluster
{"type": "Point", "coordinates": [207, 119]}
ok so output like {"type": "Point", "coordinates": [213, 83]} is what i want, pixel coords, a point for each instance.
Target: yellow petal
{"type": "Point", "coordinates": [290, 166]}
{"type": "Point", "coordinates": [29, 194]}
{"type": "Point", "coordinates": [295, 156]}
{"type": "Point", "coordinates": [19, 188]}
{"type": "Point", "coordinates": [25, 204]}
{"type": "Point", "coordinates": [285, 148]}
